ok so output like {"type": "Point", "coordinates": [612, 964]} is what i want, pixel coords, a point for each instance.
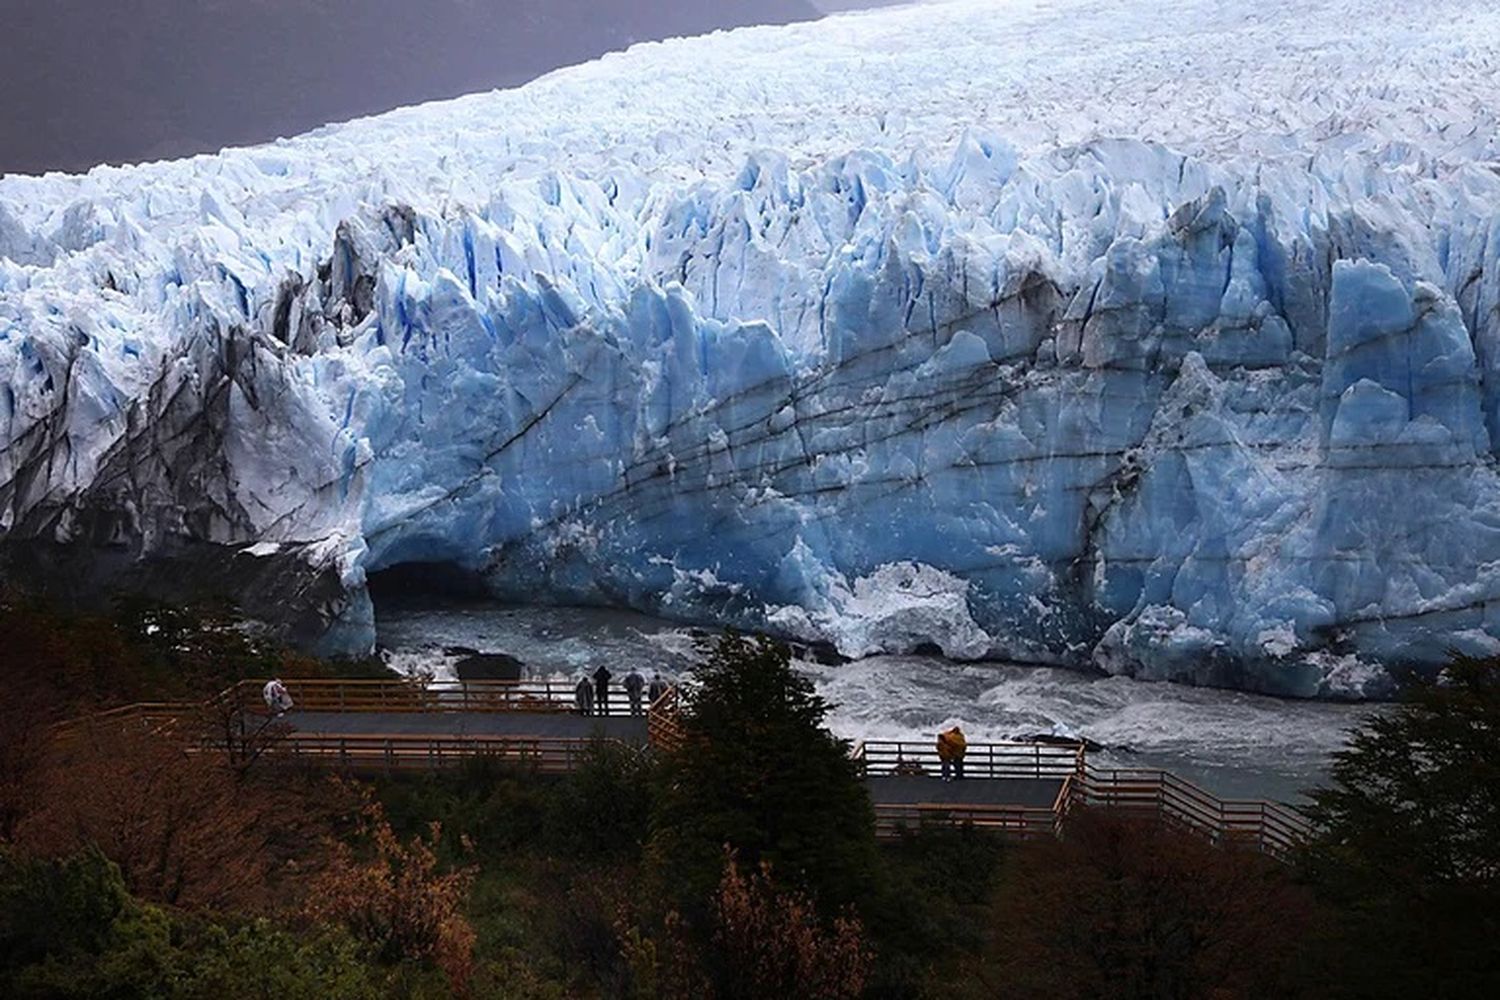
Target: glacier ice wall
{"type": "Point", "coordinates": [1040, 337]}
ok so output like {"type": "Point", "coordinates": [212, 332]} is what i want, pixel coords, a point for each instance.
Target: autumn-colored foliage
{"type": "Point", "coordinates": [180, 826]}
{"type": "Point", "coordinates": [770, 942]}
{"type": "Point", "coordinates": [765, 940]}
{"type": "Point", "coordinates": [664, 965]}
{"type": "Point", "coordinates": [396, 898]}
{"type": "Point", "coordinates": [26, 714]}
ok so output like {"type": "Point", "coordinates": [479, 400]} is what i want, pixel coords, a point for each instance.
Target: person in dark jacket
{"type": "Point", "coordinates": [635, 687]}
{"type": "Point", "coordinates": [657, 689]}
{"type": "Point", "coordinates": [583, 696]}
{"type": "Point", "coordinates": [601, 689]}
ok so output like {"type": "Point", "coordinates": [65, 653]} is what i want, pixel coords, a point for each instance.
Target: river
{"type": "Point", "coordinates": [1234, 744]}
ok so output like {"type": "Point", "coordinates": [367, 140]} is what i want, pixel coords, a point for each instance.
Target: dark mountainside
{"type": "Point", "coordinates": [135, 80]}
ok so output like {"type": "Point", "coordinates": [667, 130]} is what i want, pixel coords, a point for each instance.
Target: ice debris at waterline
{"type": "Point", "coordinates": [1018, 329]}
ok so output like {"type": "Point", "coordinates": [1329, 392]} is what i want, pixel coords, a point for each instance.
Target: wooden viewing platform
{"type": "Point", "coordinates": [1018, 790]}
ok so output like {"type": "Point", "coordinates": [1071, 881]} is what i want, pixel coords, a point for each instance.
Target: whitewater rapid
{"type": "Point", "coordinates": [1234, 744]}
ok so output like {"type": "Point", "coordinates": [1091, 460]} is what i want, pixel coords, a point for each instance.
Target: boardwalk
{"type": "Point", "coordinates": [1018, 790]}
{"type": "Point", "coordinates": [547, 725]}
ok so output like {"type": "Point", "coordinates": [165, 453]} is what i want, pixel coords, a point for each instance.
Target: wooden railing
{"type": "Point", "coordinates": [401, 695]}
{"type": "Point", "coordinates": [982, 760]}
{"type": "Point", "coordinates": [420, 752]}
{"type": "Point", "coordinates": [1270, 827]}
{"type": "Point", "coordinates": [140, 717]}
{"type": "Point", "coordinates": [1159, 795]}
{"type": "Point", "coordinates": [1014, 822]}
{"type": "Point", "coordinates": [663, 725]}
{"type": "Point", "coordinates": [378, 751]}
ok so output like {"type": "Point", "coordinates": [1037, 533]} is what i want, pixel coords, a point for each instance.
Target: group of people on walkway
{"type": "Point", "coordinates": [591, 696]}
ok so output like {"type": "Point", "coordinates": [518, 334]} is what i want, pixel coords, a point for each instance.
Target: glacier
{"type": "Point", "coordinates": [1032, 330]}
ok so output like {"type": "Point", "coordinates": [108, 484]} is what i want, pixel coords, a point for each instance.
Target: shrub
{"type": "Point", "coordinates": [769, 942]}
{"type": "Point", "coordinates": [69, 929]}
{"type": "Point", "coordinates": [398, 900]}
{"type": "Point", "coordinates": [601, 812]}
{"type": "Point", "coordinates": [1127, 908]}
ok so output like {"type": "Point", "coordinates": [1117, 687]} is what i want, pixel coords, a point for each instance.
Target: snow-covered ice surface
{"type": "Point", "coordinates": [1235, 744]}
{"type": "Point", "coordinates": [1023, 329]}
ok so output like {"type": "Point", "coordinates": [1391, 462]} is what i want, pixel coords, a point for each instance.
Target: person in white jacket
{"type": "Point", "coordinates": [277, 699]}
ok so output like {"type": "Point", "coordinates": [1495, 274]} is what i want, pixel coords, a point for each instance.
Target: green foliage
{"type": "Point", "coordinates": [760, 774]}
{"type": "Point", "coordinates": [58, 907]}
{"type": "Point", "coordinates": [1409, 842]}
{"type": "Point", "coordinates": [69, 929]}
{"type": "Point", "coordinates": [934, 905]}
{"type": "Point", "coordinates": [1139, 910]}
{"type": "Point", "coordinates": [141, 650]}
{"type": "Point", "coordinates": [260, 959]}
{"type": "Point", "coordinates": [496, 805]}
{"type": "Point", "coordinates": [602, 810]}
{"type": "Point", "coordinates": [557, 855]}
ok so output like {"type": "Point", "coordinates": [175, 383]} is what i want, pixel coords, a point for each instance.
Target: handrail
{"type": "Point", "coordinates": [982, 760]}
{"type": "Point", "coordinates": [1015, 821]}
{"type": "Point", "coordinates": [663, 722]}
{"type": "Point", "coordinates": [1273, 828]}
{"type": "Point", "coordinates": [1270, 827]}
{"type": "Point", "coordinates": [395, 752]}
{"type": "Point", "coordinates": [405, 695]}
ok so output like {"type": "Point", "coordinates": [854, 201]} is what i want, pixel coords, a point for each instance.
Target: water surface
{"type": "Point", "coordinates": [1234, 744]}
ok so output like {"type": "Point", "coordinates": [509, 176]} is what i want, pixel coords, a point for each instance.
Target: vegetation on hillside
{"type": "Point", "coordinates": [744, 865]}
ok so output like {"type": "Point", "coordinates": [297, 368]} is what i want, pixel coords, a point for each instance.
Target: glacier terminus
{"type": "Point", "coordinates": [1175, 355]}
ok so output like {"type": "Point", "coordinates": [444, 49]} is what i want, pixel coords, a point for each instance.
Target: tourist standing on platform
{"type": "Point", "coordinates": [635, 686]}
{"type": "Point", "coordinates": [601, 689]}
{"type": "Point", "coordinates": [278, 701]}
{"type": "Point", "coordinates": [583, 696]}
{"type": "Point", "coordinates": [951, 747]}
{"type": "Point", "coordinates": [657, 689]}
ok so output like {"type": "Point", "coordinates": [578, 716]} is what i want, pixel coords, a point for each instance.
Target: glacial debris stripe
{"type": "Point", "coordinates": [1015, 329]}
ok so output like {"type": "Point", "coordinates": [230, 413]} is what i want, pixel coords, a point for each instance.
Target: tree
{"type": "Point", "coordinates": [759, 773]}
{"type": "Point", "coordinates": [1127, 908]}
{"type": "Point", "coordinates": [1408, 845]}
{"type": "Point", "coordinates": [27, 734]}
{"type": "Point", "coordinates": [225, 724]}
{"type": "Point", "coordinates": [181, 826]}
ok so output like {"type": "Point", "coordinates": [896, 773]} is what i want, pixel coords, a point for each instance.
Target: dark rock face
{"type": "Point", "coordinates": [489, 667]}
{"type": "Point", "coordinates": [298, 600]}
{"type": "Point", "coordinates": [823, 653]}
{"type": "Point", "coordinates": [161, 519]}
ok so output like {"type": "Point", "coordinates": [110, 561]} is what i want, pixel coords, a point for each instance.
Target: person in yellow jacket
{"type": "Point", "coordinates": [951, 747]}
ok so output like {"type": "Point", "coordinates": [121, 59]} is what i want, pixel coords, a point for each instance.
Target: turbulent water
{"type": "Point", "coordinates": [1235, 744]}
